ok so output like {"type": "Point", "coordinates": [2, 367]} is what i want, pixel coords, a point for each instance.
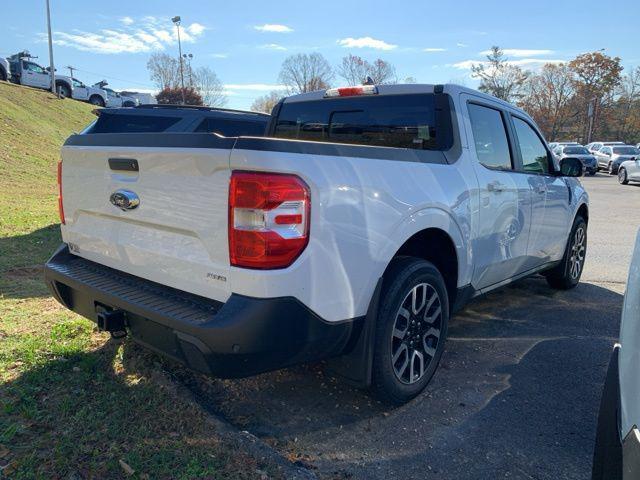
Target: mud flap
{"type": "Point", "coordinates": [355, 366]}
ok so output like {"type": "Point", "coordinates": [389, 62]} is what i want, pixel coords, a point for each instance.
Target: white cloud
{"type": "Point", "coordinates": [273, 27]}
{"type": "Point", "coordinates": [520, 52]}
{"type": "Point", "coordinates": [149, 34]}
{"type": "Point", "coordinates": [434, 50]}
{"type": "Point", "coordinates": [365, 42]}
{"type": "Point", "coordinates": [196, 29]}
{"type": "Point", "coordinates": [272, 46]}
{"type": "Point", "coordinates": [462, 45]}
{"type": "Point", "coordinates": [523, 62]}
{"type": "Point", "coordinates": [256, 87]}
{"type": "Point", "coordinates": [219, 55]}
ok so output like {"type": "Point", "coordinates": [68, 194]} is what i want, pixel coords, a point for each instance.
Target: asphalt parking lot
{"type": "Point", "coordinates": [516, 395]}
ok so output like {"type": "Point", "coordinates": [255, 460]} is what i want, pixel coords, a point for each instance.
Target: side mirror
{"type": "Point", "coordinates": [571, 167]}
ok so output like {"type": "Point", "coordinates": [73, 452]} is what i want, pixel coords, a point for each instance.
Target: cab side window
{"type": "Point", "coordinates": [490, 137]}
{"type": "Point", "coordinates": [33, 67]}
{"type": "Point", "coordinates": [535, 158]}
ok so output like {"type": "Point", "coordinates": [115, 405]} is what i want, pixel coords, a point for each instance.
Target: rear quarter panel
{"type": "Point", "coordinates": [362, 211]}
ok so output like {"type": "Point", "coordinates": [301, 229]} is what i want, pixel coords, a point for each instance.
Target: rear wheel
{"type": "Point", "coordinates": [567, 273]}
{"type": "Point", "coordinates": [411, 329]}
{"type": "Point", "coordinates": [96, 100]}
{"type": "Point", "coordinates": [610, 168]}
{"type": "Point", "coordinates": [622, 176]}
{"type": "Point", "coordinates": [63, 90]}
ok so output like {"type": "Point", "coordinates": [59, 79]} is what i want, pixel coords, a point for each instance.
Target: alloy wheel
{"type": "Point", "coordinates": [416, 333]}
{"type": "Point", "coordinates": [622, 175]}
{"type": "Point", "coordinates": [578, 249]}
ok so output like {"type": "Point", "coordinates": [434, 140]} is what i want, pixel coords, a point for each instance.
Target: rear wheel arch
{"type": "Point", "coordinates": [436, 246]}
{"type": "Point", "coordinates": [583, 211]}
{"type": "Point", "coordinates": [61, 84]}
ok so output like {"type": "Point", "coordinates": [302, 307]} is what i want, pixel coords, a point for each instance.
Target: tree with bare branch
{"type": "Point", "coordinates": [306, 72]}
{"type": "Point", "coordinates": [206, 82]}
{"type": "Point", "coordinates": [499, 77]}
{"type": "Point", "coordinates": [164, 70]}
{"type": "Point", "coordinates": [548, 97]}
{"type": "Point", "coordinates": [266, 102]}
{"type": "Point", "coordinates": [355, 70]}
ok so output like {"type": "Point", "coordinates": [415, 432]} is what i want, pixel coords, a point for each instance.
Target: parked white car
{"type": "Point", "coordinates": [629, 171]}
{"type": "Point", "coordinates": [93, 95]}
{"type": "Point", "coordinates": [5, 72]}
{"type": "Point", "coordinates": [115, 99]}
{"type": "Point", "coordinates": [617, 450]}
{"type": "Point", "coordinates": [368, 217]}
{"type": "Point", "coordinates": [141, 98]}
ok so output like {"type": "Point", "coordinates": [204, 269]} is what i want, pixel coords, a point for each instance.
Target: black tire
{"type": "Point", "coordinates": [564, 276]}
{"type": "Point", "coordinates": [96, 100]}
{"type": "Point", "coordinates": [63, 90]}
{"type": "Point", "coordinates": [610, 168]}
{"type": "Point", "coordinates": [422, 335]}
{"type": "Point", "coordinates": [622, 176]}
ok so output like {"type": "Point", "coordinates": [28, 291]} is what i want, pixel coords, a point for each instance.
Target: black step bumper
{"type": "Point", "coordinates": [241, 337]}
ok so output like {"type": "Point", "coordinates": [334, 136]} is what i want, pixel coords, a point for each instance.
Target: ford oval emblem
{"type": "Point", "coordinates": [124, 199]}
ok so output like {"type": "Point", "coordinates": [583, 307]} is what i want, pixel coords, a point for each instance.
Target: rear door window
{"type": "Point", "coordinates": [490, 137]}
{"type": "Point", "coordinates": [401, 121]}
{"type": "Point", "coordinates": [122, 123]}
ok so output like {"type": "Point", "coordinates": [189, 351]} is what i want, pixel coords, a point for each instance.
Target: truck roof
{"type": "Point", "coordinates": [200, 108]}
{"type": "Point", "coordinates": [410, 88]}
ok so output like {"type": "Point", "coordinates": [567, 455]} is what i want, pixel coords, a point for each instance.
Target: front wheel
{"type": "Point", "coordinates": [567, 273]}
{"type": "Point", "coordinates": [622, 176]}
{"type": "Point", "coordinates": [411, 329]}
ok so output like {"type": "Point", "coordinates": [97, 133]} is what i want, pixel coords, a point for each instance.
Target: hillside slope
{"type": "Point", "coordinates": [33, 127]}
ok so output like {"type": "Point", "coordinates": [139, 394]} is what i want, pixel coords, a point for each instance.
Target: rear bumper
{"type": "Point", "coordinates": [241, 337]}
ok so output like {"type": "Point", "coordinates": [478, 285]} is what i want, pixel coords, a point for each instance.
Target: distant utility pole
{"type": "Point", "coordinates": [177, 21]}
{"type": "Point", "coordinates": [71, 69]}
{"type": "Point", "coordinates": [52, 69]}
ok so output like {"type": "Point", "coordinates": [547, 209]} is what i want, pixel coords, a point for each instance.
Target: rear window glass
{"type": "Point", "coordinates": [625, 150]}
{"type": "Point", "coordinates": [232, 128]}
{"type": "Point", "coordinates": [124, 123]}
{"type": "Point", "coordinates": [402, 121]}
{"type": "Point", "coordinates": [575, 150]}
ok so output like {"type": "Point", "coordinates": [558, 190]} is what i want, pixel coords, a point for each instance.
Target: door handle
{"type": "Point", "coordinates": [495, 186]}
{"type": "Point", "coordinates": [540, 188]}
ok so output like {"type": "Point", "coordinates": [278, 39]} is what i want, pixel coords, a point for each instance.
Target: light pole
{"type": "Point", "coordinates": [177, 21]}
{"type": "Point", "coordinates": [188, 57]}
{"type": "Point", "coordinates": [52, 69]}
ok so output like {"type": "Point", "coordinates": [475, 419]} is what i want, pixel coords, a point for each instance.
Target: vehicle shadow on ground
{"type": "Point", "coordinates": [21, 261]}
{"type": "Point", "coordinates": [517, 392]}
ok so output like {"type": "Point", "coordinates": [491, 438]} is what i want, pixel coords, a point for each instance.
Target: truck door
{"type": "Point", "coordinates": [33, 75]}
{"type": "Point", "coordinates": [80, 90]}
{"type": "Point", "coordinates": [550, 216]}
{"type": "Point", "coordinates": [500, 248]}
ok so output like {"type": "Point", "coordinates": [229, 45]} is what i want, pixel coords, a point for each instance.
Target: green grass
{"type": "Point", "coordinates": [74, 404]}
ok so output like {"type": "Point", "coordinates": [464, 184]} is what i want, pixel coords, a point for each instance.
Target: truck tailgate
{"type": "Point", "coordinates": [177, 235]}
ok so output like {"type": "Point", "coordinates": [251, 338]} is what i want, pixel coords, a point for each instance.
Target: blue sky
{"type": "Point", "coordinates": [245, 42]}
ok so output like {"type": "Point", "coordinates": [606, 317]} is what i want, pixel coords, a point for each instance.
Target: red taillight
{"type": "Point", "coordinates": [351, 91]}
{"type": "Point", "coordinates": [268, 219]}
{"type": "Point", "coordinates": [60, 207]}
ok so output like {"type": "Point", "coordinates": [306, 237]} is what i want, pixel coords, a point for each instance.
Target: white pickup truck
{"type": "Point", "coordinates": [353, 230]}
